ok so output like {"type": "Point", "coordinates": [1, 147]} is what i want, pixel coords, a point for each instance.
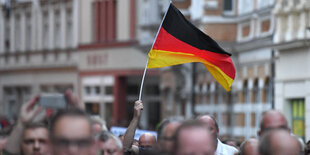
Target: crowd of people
{"type": "Point", "coordinates": [72, 131]}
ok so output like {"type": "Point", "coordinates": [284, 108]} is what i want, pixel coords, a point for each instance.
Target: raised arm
{"type": "Point", "coordinates": [130, 132]}
{"type": "Point", "coordinates": [27, 114]}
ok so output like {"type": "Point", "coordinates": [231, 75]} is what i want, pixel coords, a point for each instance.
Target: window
{"type": "Point", "coordinates": [87, 90]}
{"type": "Point", "coordinates": [14, 97]}
{"type": "Point", "coordinates": [264, 3]}
{"type": "Point", "coordinates": [7, 38]}
{"type": "Point", "coordinates": [132, 89]}
{"type": "Point", "coordinates": [69, 35]}
{"type": "Point", "coordinates": [256, 92]}
{"type": "Point", "coordinates": [45, 30]}
{"type": "Point", "coordinates": [17, 33]}
{"type": "Point", "coordinates": [245, 6]}
{"type": "Point", "coordinates": [57, 35]}
{"type": "Point", "coordinates": [152, 90]}
{"type": "Point", "coordinates": [108, 90]}
{"type": "Point", "coordinates": [239, 119]}
{"type": "Point", "coordinates": [208, 93]}
{"type": "Point", "coordinates": [218, 94]}
{"type": "Point", "coordinates": [245, 93]}
{"type": "Point", "coordinates": [92, 108]}
{"type": "Point", "coordinates": [153, 114]}
{"type": "Point", "coordinates": [62, 88]}
{"type": "Point", "coordinates": [298, 117]}
{"type": "Point", "coordinates": [45, 36]}
{"type": "Point", "coordinates": [108, 112]}
{"type": "Point", "coordinates": [69, 28]}
{"type": "Point", "coordinates": [105, 20]}
{"type": "Point", "coordinates": [28, 32]}
{"type": "Point", "coordinates": [98, 90]}
{"type": "Point", "coordinates": [266, 95]}
{"type": "Point", "coordinates": [228, 7]}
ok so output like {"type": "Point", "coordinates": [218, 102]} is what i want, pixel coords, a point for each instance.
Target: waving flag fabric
{"type": "Point", "coordinates": [178, 41]}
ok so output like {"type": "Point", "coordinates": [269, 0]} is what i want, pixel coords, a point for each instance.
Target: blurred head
{"type": "Point", "coordinates": [211, 123]}
{"type": "Point", "coordinates": [249, 147]}
{"type": "Point", "coordinates": [194, 138]}
{"type": "Point", "coordinates": [166, 133]}
{"type": "Point", "coordinates": [35, 140]}
{"type": "Point", "coordinates": [71, 133]}
{"type": "Point", "coordinates": [279, 142]}
{"type": "Point", "coordinates": [272, 120]}
{"type": "Point", "coordinates": [109, 144]}
{"type": "Point", "coordinates": [147, 141]}
{"type": "Point", "coordinates": [98, 125]}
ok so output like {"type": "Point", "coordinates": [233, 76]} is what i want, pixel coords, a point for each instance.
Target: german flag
{"type": "Point", "coordinates": [178, 41]}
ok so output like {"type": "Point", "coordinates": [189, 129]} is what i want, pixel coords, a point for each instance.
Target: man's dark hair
{"type": "Point", "coordinates": [35, 125]}
{"type": "Point", "coordinates": [164, 123]}
{"type": "Point", "coordinates": [74, 112]}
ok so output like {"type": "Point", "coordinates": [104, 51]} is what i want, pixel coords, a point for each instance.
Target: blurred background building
{"type": "Point", "coordinates": [99, 49]}
{"type": "Point", "coordinates": [292, 40]}
{"type": "Point", "coordinates": [88, 46]}
{"type": "Point", "coordinates": [245, 28]}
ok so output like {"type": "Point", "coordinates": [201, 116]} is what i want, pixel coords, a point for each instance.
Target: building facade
{"type": "Point", "coordinates": [244, 28]}
{"type": "Point", "coordinates": [89, 46]}
{"type": "Point", "coordinates": [37, 50]}
{"type": "Point", "coordinates": [99, 50]}
{"type": "Point", "coordinates": [291, 40]}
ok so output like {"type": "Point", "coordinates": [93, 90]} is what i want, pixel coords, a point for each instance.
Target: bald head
{"type": "Point", "coordinates": [279, 142]}
{"type": "Point", "coordinates": [249, 147]}
{"type": "Point", "coordinates": [211, 123]}
{"type": "Point", "coordinates": [147, 140]}
{"type": "Point", "coordinates": [272, 120]}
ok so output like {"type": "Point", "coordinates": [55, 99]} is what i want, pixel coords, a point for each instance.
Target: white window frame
{"type": "Point", "coordinates": [232, 11]}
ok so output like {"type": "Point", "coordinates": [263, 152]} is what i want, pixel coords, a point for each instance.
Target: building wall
{"type": "Point", "coordinates": [86, 22]}
{"type": "Point", "coordinates": [222, 32]}
{"type": "Point", "coordinates": [37, 42]}
{"type": "Point", "coordinates": [121, 58]}
{"type": "Point", "coordinates": [245, 30]}
{"type": "Point", "coordinates": [292, 75]}
{"type": "Point", "coordinates": [123, 18]}
{"type": "Point", "coordinates": [113, 53]}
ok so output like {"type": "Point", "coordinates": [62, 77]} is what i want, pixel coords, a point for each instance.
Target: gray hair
{"type": "Point", "coordinates": [105, 136]}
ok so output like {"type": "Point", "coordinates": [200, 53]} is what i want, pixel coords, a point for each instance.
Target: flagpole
{"type": "Point", "coordinates": [142, 81]}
